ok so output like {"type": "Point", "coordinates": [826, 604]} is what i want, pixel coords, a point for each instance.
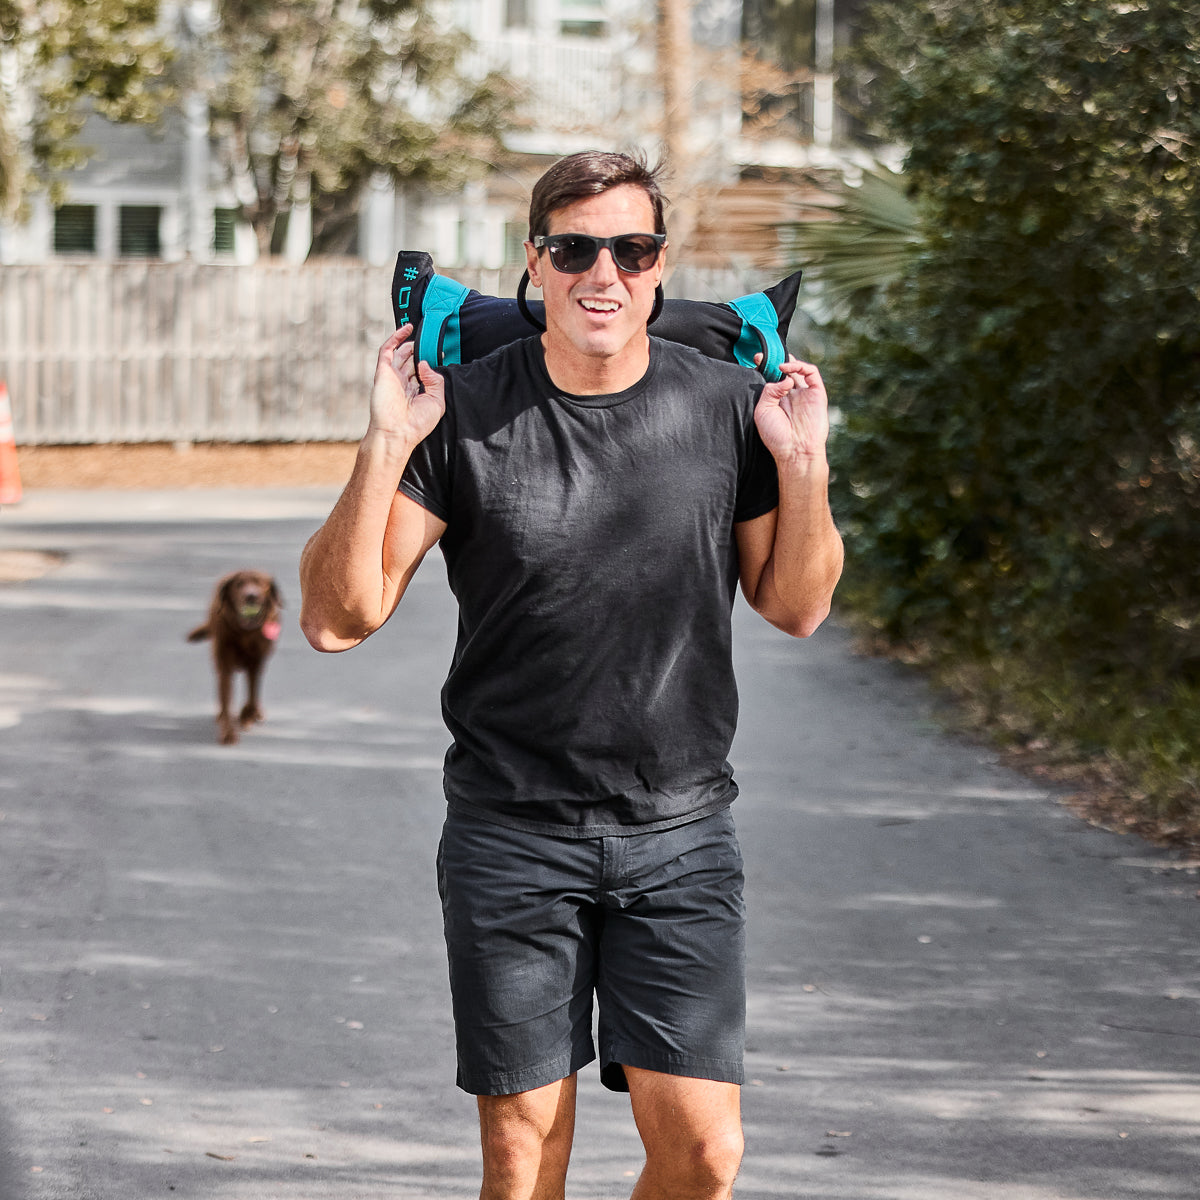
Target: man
{"type": "Point", "coordinates": [598, 494]}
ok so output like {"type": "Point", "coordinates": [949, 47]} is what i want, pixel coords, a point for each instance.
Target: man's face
{"type": "Point", "coordinates": [600, 314]}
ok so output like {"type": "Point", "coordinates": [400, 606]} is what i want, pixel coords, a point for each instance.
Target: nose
{"type": "Point", "coordinates": [604, 269]}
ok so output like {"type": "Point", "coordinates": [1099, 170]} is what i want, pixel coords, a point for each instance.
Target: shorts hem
{"type": "Point", "coordinates": [719, 1070]}
{"type": "Point", "coordinates": [510, 1083]}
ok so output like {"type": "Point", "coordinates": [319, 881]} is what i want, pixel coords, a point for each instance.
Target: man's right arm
{"type": "Point", "coordinates": [357, 566]}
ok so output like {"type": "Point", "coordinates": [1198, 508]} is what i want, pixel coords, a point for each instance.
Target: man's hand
{"type": "Point", "coordinates": [399, 408]}
{"type": "Point", "coordinates": [792, 414]}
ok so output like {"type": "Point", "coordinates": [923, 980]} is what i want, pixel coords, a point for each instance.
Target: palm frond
{"type": "Point", "coordinates": [864, 243]}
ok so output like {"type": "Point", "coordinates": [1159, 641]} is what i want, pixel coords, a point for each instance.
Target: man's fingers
{"type": "Point", "coordinates": [802, 375]}
{"type": "Point", "coordinates": [398, 336]}
{"type": "Point", "coordinates": [795, 366]}
{"type": "Point", "coordinates": [394, 347]}
{"type": "Point", "coordinates": [430, 379]}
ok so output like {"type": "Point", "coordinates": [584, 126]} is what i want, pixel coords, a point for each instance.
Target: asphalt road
{"type": "Point", "coordinates": [221, 971]}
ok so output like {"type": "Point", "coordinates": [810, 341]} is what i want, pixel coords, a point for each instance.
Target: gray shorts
{"type": "Point", "coordinates": [652, 924]}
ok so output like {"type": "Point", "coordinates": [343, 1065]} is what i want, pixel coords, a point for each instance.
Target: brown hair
{"type": "Point", "coordinates": [589, 173]}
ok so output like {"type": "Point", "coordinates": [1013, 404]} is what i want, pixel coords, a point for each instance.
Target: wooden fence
{"type": "Point", "coordinates": [168, 352]}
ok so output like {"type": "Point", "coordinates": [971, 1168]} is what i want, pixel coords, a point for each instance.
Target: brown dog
{"type": "Point", "coordinates": [243, 623]}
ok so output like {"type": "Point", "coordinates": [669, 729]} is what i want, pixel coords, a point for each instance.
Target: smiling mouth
{"type": "Point", "coordinates": [599, 306]}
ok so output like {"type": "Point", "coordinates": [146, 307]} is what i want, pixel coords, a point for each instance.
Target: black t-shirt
{"type": "Point", "coordinates": [590, 546]}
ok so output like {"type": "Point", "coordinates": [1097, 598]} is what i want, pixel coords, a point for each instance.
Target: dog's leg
{"type": "Point", "coordinates": [252, 711]}
{"type": "Point", "coordinates": [227, 730]}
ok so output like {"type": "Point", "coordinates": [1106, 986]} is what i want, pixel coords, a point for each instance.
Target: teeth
{"type": "Point", "coordinates": [600, 305]}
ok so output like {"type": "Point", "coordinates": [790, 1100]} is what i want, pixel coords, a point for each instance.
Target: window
{"type": "Point", "coordinates": [224, 225]}
{"type": "Point", "coordinates": [137, 231]}
{"type": "Point", "coordinates": [75, 229]}
{"type": "Point", "coordinates": [583, 18]}
{"type": "Point", "coordinates": [588, 29]}
{"type": "Point", "coordinates": [516, 14]}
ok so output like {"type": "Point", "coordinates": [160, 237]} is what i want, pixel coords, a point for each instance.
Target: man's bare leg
{"type": "Point", "coordinates": [692, 1131]}
{"type": "Point", "coordinates": [526, 1142]}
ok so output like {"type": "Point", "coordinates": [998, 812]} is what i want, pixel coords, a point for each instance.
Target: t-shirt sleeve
{"type": "Point", "coordinates": [758, 480]}
{"type": "Point", "coordinates": [427, 478]}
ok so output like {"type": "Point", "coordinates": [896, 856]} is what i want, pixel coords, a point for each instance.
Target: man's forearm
{"type": "Point", "coordinates": [352, 569]}
{"type": "Point", "coordinates": [796, 588]}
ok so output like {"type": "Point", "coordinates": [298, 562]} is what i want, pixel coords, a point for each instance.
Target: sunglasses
{"type": "Point", "coordinates": [574, 253]}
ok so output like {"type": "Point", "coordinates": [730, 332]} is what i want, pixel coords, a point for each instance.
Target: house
{"type": "Point", "coordinates": [589, 75]}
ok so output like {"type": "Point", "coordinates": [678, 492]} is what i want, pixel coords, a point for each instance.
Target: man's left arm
{"type": "Point", "coordinates": [790, 559]}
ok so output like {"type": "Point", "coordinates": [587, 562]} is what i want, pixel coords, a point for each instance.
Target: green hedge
{"type": "Point", "coordinates": [1017, 471]}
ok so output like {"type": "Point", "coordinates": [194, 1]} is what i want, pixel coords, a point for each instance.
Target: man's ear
{"type": "Point", "coordinates": [533, 264]}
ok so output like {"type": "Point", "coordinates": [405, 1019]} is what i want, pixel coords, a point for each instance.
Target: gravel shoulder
{"type": "Point", "coordinates": [186, 465]}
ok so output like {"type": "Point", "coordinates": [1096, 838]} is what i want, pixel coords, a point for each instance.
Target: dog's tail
{"type": "Point", "coordinates": [199, 633]}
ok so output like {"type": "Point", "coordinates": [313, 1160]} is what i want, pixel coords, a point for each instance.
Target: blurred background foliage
{"type": "Point", "coordinates": [312, 99]}
{"type": "Point", "coordinates": [105, 56]}
{"type": "Point", "coordinates": [781, 30]}
{"type": "Point", "coordinates": [1017, 466]}
{"type": "Point", "coordinates": [308, 99]}
{"type": "Point", "coordinates": [863, 237]}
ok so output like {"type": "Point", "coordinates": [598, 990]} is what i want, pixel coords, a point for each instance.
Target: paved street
{"type": "Point", "coordinates": [221, 971]}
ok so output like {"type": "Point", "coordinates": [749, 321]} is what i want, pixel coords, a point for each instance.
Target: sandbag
{"type": "Point", "coordinates": [454, 323]}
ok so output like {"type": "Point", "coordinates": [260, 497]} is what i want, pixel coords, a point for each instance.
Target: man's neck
{"type": "Point", "coordinates": [583, 375]}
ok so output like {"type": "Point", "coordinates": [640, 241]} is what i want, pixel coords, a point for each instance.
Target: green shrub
{"type": "Point", "coordinates": [1017, 471]}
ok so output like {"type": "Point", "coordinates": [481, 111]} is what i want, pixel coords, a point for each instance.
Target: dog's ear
{"type": "Point", "coordinates": [225, 597]}
{"type": "Point", "coordinates": [275, 594]}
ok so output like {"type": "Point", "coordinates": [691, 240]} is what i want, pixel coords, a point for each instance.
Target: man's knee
{"type": "Point", "coordinates": [692, 1132]}
{"type": "Point", "coordinates": [708, 1161]}
{"type": "Point", "coordinates": [508, 1145]}
{"type": "Point", "coordinates": [516, 1140]}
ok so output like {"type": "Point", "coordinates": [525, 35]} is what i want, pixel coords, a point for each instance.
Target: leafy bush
{"type": "Point", "coordinates": [1018, 468]}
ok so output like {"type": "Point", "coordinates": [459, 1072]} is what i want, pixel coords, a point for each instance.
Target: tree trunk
{"type": "Point", "coordinates": [675, 63]}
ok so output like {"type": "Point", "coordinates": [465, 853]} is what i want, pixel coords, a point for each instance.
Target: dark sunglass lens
{"type": "Point", "coordinates": [635, 254]}
{"type": "Point", "coordinates": [573, 255]}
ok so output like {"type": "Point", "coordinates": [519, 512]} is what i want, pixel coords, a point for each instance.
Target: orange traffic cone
{"type": "Point", "coordinates": [10, 477]}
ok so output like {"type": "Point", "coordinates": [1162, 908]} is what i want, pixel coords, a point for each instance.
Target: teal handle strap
{"type": "Point", "coordinates": [759, 335]}
{"type": "Point", "coordinates": [439, 310]}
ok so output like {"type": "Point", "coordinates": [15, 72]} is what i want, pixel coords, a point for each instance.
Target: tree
{"type": "Point", "coordinates": [1019, 464]}
{"type": "Point", "coordinates": [312, 98]}
{"type": "Point", "coordinates": [60, 60]}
